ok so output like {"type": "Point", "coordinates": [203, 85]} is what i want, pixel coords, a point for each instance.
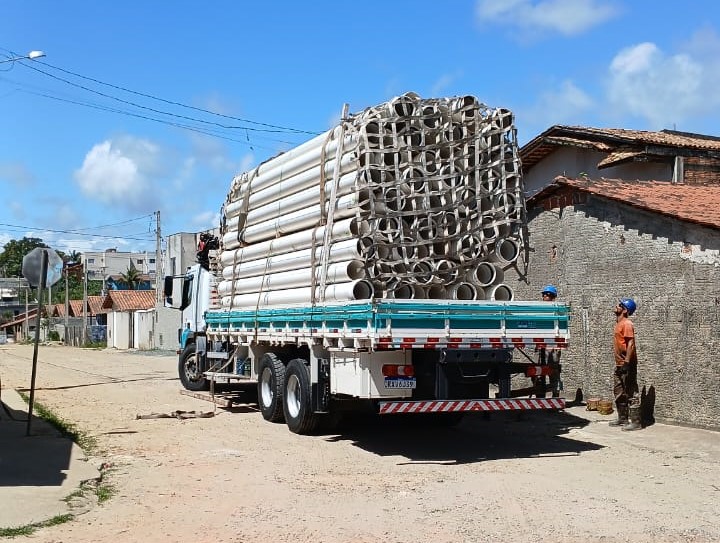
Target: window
{"type": "Point", "coordinates": [139, 260]}
{"type": "Point", "coordinates": [91, 261]}
{"type": "Point", "coordinates": [151, 261]}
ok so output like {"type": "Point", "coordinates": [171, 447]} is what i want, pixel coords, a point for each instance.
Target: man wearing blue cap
{"type": "Point", "coordinates": [550, 357]}
{"type": "Point", "coordinates": [625, 385]}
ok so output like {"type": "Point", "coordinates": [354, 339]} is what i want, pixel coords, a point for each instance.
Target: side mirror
{"type": "Point", "coordinates": [168, 286]}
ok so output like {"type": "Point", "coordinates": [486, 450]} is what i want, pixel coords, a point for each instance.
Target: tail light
{"type": "Point", "coordinates": [396, 370]}
{"type": "Point", "coordinates": [537, 371]}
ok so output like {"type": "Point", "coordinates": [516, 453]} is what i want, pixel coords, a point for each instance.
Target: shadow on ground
{"type": "Point", "coordinates": [475, 439]}
{"type": "Point", "coordinates": [40, 459]}
{"type": "Point", "coordinates": [443, 439]}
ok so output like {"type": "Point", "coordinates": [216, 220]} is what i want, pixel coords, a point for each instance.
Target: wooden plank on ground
{"type": "Point", "coordinates": [222, 401]}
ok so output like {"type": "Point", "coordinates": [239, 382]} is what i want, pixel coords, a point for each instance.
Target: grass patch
{"type": "Point", "coordinates": [32, 528]}
{"type": "Point", "coordinates": [97, 345]}
{"type": "Point", "coordinates": [67, 429]}
{"type": "Point", "coordinates": [104, 492]}
{"type": "Point", "coordinates": [101, 489]}
{"type": "Point", "coordinates": [79, 493]}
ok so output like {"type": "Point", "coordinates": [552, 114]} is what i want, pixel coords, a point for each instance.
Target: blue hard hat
{"type": "Point", "coordinates": [550, 289]}
{"type": "Point", "coordinates": [629, 304]}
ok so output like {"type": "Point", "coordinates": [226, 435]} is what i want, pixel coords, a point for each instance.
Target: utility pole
{"type": "Point", "coordinates": [158, 257]}
{"type": "Point", "coordinates": [27, 317]}
{"type": "Point", "coordinates": [85, 302]}
{"type": "Point", "coordinates": [67, 305]}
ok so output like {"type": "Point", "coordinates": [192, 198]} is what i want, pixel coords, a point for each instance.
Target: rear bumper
{"type": "Point", "coordinates": [460, 406]}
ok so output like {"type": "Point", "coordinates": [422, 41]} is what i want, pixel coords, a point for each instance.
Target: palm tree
{"type": "Point", "coordinates": [131, 277]}
{"type": "Point", "coordinates": [73, 257]}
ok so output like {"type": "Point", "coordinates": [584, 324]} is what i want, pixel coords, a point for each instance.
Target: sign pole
{"type": "Point", "coordinates": [41, 288]}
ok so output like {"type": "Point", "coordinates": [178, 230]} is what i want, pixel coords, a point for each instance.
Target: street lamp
{"type": "Point", "coordinates": [32, 55]}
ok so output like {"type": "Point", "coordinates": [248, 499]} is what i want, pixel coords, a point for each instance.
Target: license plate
{"type": "Point", "coordinates": [400, 382]}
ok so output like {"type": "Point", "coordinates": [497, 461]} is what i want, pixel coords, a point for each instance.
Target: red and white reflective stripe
{"type": "Point", "coordinates": [470, 343]}
{"type": "Point", "coordinates": [457, 406]}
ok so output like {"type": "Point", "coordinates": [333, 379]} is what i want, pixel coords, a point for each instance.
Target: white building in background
{"type": "Point", "coordinates": [180, 253]}
{"type": "Point", "coordinates": [113, 262]}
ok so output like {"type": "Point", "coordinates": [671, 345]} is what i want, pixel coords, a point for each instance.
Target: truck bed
{"type": "Point", "coordinates": [383, 324]}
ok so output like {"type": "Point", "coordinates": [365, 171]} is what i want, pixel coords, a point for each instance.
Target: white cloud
{"type": "Point", "coordinates": [568, 17]}
{"type": "Point", "coordinates": [565, 104]}
{"type": "Point", "coordinates": [662, 89]}
{"type": "Point", "coordinates": [122, 173]}
{"type": "Point", "coordinates": [206, 220]}
{"type": "Point", "coordinates": [211, 151]}
{"type": "Point", "coordinates": [246, 162]}
{"type": "Point", "coordinates": [17, 174]}
{"type": "Point", "coordinates": [443, 82]}
{"type": "Point", "coordinates": [65, 216]}
{"type": "Point", "coordinates": [17, 209]}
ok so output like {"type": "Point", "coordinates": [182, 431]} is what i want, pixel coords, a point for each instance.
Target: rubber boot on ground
{"type": "Point", "coordinates": [622, 420]}
{"type": "Point", "coordinates": [635, 422]}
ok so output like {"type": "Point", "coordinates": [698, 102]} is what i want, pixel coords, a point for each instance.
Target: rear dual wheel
{"type": "Point", "coordinates": [297, 401]}
{"type": "Point", "coordinates": [271, 387]}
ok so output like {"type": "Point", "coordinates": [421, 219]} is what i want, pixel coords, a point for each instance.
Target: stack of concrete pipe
{"type": "Point", "coordinates": [414, 198]}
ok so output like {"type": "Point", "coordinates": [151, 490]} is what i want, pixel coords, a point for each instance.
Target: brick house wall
{"type": "Point", "coordinates": [596, 251]}
{"type": "Point", "coordinates": [699, 171]}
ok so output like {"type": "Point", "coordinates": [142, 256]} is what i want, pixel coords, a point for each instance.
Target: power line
{"type": "Point", "coordinates": [104, 95]}
{"type": "Point", "coordinates": [116, 224]}
{"type": "Point", "coordinates": [282, 128]}
{"type": "Point", "coordinates": [207, 132]}
{"type": "Point", "coordinates": [18, 227]}
{"type": "Point", "coordinates": [270, 128]}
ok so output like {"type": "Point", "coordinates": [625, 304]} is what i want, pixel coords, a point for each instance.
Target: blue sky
{"type": "Point", "coordinates": [78, 152]}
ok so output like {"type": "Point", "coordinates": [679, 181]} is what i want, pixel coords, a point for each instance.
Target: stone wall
{"type": "Point", "coordinates": [597, 251]}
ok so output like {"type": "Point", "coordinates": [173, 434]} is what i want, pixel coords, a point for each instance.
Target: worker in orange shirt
{"type": "Point", "coordinates": [625, 385]}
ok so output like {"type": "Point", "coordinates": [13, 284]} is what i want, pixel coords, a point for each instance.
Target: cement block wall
{"type": "Point", "coordinates": [165, 332]}
{"type": "Point", "coordinates": [597, 251]}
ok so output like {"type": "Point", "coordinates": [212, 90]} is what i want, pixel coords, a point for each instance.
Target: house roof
{"type": "Point", "coordinates": [95, 304]}
{"type": "Point", "coordinates": [610, 140]}
{"type": "Point", "coordinates": [56, 310]}
{"type": "Point", "coordinates": [22, 317]}
{"type": "Point", "coordinates": [76, 308]}
{"type": "Point", "coordinates": [698, 204]}
{"type": "Point", "coordinates": [129, 300]}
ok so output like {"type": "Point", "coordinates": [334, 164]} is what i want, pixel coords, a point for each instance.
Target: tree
{"type": "Point", "coordinates": [73, 257]}
{"type": "Point", "coordinates": [75, 289]}
{"type": "Point", "coordinates": [131, 277]}
{"type": "Point", "coordinates": [12, 256]}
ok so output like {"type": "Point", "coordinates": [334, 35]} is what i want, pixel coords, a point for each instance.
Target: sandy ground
{"type": "Point", "coordinates": [557, 477]}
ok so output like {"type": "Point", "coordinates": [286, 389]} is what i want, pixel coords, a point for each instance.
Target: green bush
{"type": "Point", "coordinates": [54, 335]}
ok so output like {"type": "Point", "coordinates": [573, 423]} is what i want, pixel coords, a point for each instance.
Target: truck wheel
{"type": "Point", "coordinates": [271, 385]}
{"type": "Point", "coordinates": [297, 403]}
{"type": "Point", "coordinates": [189, 370]}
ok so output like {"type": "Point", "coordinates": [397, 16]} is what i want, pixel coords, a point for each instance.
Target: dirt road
{"type": "Point", "coordinates": [236, 478]}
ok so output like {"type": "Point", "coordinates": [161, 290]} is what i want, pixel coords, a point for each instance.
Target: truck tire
{"type": "Point", "coordinates": [271, 386]}
{"type": "Point", "coordinates": [190, 372]}
{"type": "Point", "coordinates": [297, 402]}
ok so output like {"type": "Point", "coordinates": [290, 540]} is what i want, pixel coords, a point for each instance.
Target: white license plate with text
{"type": "Point", "coordinates": [400, 382]}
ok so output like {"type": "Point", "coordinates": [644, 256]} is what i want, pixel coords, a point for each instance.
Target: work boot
{"type": "Point", "coordinates": [622, 420]}
{"type": "Point", "coordinates": [635, 423]}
